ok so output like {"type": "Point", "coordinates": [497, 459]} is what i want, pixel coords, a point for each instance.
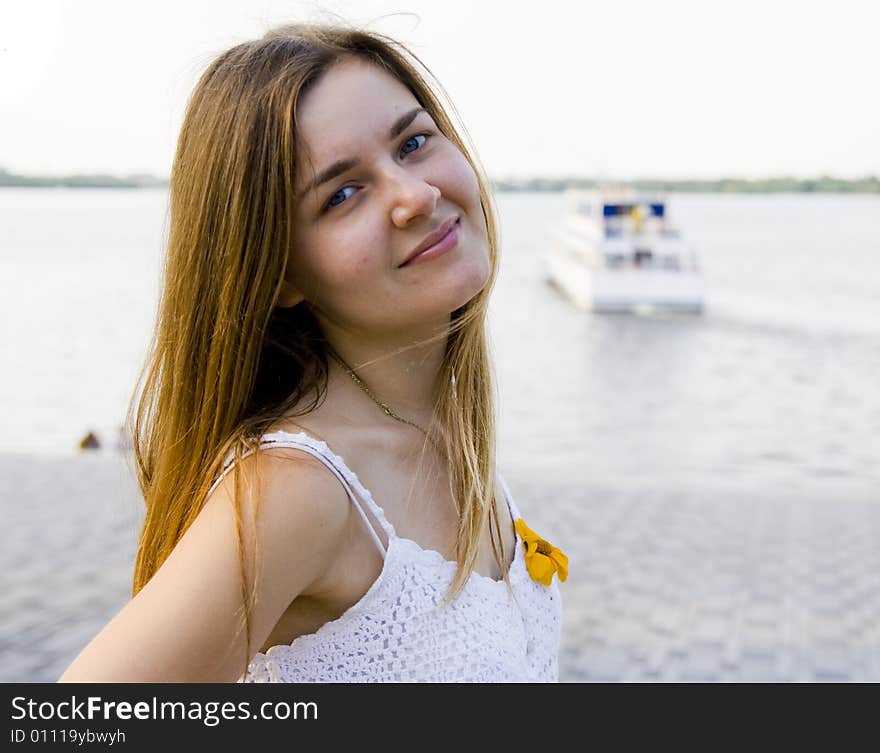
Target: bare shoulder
{"type": "Point", "coordinates": [298, 508]}
{"type": "Point", "coordinates": [185, 624]}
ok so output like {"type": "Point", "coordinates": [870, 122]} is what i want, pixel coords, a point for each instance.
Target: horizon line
{"type": "Point", "coordinates": [152, 178]}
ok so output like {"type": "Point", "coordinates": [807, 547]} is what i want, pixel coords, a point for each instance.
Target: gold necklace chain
{"type": "Point", "coordinates": [366, 389]}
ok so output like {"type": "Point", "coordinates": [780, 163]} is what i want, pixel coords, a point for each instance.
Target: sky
{"type": "Point", "coordinates": [615, 89]}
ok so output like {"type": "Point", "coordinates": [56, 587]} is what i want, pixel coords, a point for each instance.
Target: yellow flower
{"type": "Point", "coordinates": [542, 558]}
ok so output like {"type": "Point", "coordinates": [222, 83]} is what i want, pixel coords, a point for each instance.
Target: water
{"type": "Point", "coordinates": [774, 387]}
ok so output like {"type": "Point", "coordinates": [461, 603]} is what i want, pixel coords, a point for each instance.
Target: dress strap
{"type": "Point", "coordinates": [514, 510]}
{"type": "Point", "coordinates": [318, 449]}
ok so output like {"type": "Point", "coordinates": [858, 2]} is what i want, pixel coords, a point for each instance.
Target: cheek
{"type": "Point", "coordinates": [313, 268]}
{"type": "Point", "coordinates": [348, 256]}
{"type": "Point", "coordinates": [464, 189]}
{"type": "Point", "coordinates": [462, 180]}
{"type": "Point", "coordinates": [361, 265]}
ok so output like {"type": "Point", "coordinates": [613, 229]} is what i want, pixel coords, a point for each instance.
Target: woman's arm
{"type": "Point", "coordinates": [185, 625]}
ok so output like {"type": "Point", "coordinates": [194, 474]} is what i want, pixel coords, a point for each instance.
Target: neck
{"type": "Point", "coordinates": [401, 375]}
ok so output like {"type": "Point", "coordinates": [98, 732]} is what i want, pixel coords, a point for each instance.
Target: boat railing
{"type": "Point", "coordinates": [646, 259]}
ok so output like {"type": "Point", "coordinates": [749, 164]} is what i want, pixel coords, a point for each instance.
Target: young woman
{"type": "Point", "coordinates": [315, 437]}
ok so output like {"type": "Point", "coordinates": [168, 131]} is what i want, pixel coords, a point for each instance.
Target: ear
{"type": "Point", "coordinates": [289, 296]}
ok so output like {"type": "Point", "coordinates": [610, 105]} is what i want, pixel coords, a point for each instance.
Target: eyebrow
{"type": "Point", "coordinates": [344, 165]}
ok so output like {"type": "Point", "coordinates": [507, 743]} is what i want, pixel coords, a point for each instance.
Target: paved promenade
{"type": "Point", "coordinates": [663, 586]}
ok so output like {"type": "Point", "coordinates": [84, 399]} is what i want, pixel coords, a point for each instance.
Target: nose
{"type": "Point", "coordinates": [414, 198]}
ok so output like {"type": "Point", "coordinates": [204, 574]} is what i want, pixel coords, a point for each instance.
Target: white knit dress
{"type": "Point", "coordinates": [399, 631]}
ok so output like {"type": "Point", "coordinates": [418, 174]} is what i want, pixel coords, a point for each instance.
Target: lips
{"type": "Point", "coordinates": [431, 238]}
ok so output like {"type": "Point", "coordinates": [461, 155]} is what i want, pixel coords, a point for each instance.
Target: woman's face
{"type": "Point", "coordinates": [353, 231]}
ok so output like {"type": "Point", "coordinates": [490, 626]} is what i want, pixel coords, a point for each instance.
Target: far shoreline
{"type": "Point", "coordinates": [821, 185]}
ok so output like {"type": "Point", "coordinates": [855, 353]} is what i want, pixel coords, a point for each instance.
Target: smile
{"type": "Point", "coordinates": [446, 243]}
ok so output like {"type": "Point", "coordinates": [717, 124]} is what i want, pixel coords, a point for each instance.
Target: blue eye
{"type": "Point", "coordinates": [411, 138]}
{"type": "Point", "coordinates": [425, 136]}
{"type": "Point", "coordinates": [330, 203]}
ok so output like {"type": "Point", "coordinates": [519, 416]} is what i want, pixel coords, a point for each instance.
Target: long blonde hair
{"type": "Point", "coordinates": [225, 362]}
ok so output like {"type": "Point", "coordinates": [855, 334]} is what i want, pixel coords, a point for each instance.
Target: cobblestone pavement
{"type": "Point", "coordinates": [663, 587]}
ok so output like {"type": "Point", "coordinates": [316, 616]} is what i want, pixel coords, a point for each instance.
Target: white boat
{"type": "Point", "coordinates": [614, 250]}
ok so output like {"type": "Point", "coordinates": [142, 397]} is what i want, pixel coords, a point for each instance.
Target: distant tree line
{"type": "Point", "coordinates": [11, 180]}
{"type": "Point", "coordinates": [823, 184]}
